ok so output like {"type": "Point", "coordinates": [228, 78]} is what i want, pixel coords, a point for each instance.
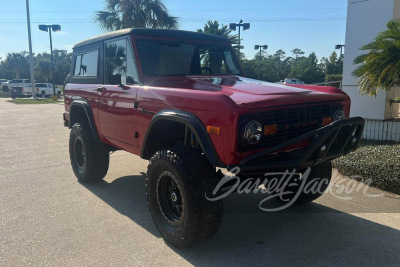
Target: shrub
{"type": "Point", "coordinates": [333, 78]}
{"type": "Point", "coordinates": [375, 160]}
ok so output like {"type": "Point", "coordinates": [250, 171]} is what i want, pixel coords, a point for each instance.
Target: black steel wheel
{"type": "Point", "coordinates": [178, 180]}
{"type": "Point", "coordinates": [169, 197]}
{"type": "Point", "coordinates": [89, 159]}
{"type": "Point", "coordinates": [321, 175]}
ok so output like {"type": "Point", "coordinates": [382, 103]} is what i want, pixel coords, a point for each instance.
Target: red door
{"type": "Point", "coordinates": [117, 96]}
{"type": "Point", "coordinates": [117, 113]}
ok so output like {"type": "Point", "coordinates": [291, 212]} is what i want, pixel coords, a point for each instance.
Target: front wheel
{"type": "Point", "coordinates": [178, 179]}
{"type": "Point", "coordinates": [313, 187]}
{"type": "Point", "coordinates": [89, 159]}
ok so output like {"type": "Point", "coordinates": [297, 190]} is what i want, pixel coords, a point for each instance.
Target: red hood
{"type": "Point", "coordinates": [253, 93]}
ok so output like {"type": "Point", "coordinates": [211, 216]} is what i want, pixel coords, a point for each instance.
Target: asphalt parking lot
{"type": "Point", "coordinates": [48, 218]}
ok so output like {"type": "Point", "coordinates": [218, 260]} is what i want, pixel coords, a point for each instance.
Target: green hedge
{"type": "Point", "coordinates": [375, 160]}
{"type": "Point", "coordinates": [333, 78]}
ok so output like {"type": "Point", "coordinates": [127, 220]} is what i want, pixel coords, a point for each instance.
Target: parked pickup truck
{"type": "Point", "coordinates": [46, 89]}
{"type": "Point", "coordinates": [6, 87]}
{"type": "Point", "coordinates": [179, 100]}
{"type": "Point", "coordinates": [41, 90]}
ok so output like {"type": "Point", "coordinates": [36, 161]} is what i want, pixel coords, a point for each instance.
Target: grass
{"type": "Point", "coordinates": [32, 101]}
{"type": "Point", "coordinates": [375, 160]}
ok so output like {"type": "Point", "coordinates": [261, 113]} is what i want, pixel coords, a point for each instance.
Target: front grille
{"type": "Point", "coordinates": [291, 122]}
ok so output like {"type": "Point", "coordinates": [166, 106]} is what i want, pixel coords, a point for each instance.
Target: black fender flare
{"type": "Point", "coordinates": [89, 114]}
{"type": "Point", "coordinates": [195, 125]}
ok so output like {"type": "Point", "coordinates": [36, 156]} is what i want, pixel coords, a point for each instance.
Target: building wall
{"type": "Point", "coordinates": [365, 19]}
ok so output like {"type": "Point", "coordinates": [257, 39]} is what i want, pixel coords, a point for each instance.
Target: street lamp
{"type": "Point", "coordinates": [246, 26]}
{"type": "Point", "coordinates": [28, 21]}
{"type": "Point", "coordinates": [49, 28]}
{"type": "Point", "coordinates": [339, 46]}
{"type": "Point", "coordinates": [261, 47]}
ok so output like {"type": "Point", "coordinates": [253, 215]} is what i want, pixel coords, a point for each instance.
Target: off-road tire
{"type": "Point", "coordinates": [320, 174]}
{"type": "Point", "coordinates": [195, 177]}
{"type": "Point", "coordinates": [93, 166]}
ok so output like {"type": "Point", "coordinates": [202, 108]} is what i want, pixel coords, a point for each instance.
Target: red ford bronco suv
{"type": "Point", "coordinates": [179, 100]}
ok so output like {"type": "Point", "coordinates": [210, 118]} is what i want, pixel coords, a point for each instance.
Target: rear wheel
{"type": "Point", "coordinates": [178, 179]}
{"type": "Point", "coordinates": [89, 159]}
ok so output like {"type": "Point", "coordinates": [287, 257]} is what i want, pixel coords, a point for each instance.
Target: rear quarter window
{"type": "Point", "coordinates": [86, 64]}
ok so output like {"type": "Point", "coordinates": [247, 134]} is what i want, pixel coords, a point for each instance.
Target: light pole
{"type": "Point", "coordinates": [261, 47]}
{"type": "Point", "coordinates": [28, 20]}
{"type": "Point", "coordinates": [49, 28]}
{"type": "Point", "coordinates": [339, 46]}
{"type": "Point", "coordinates": [245, 26]}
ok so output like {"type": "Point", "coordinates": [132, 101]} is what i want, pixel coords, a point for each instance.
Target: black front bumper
{"type": "Point", "coordinates": [326, 143]}
{"type": "Point", "coordinates": [16, 92]}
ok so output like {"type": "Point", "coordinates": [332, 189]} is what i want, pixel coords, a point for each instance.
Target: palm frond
{"type": "Point", "coordinates": [379, 67]}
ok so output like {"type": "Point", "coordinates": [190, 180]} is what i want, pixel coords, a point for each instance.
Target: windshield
{"type": "Point", "coordinates": [41, 85]}
{"type": "Point", "coordinates": [16, 81]}
{"type": "Point", "coordinates": [172, 58]}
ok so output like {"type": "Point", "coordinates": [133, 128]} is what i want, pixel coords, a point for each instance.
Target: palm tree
{"type": "Point", "coordinates": [380, 67]}
{"type": "Point", "coordinates": [43, 67]}
{"type": "Point", "coordinates": [17, 63]}
{"type": "Point", "coordinates": [121, 14]}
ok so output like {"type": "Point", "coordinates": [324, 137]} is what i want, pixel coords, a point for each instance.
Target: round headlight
{"type": "Point", "coordinates": [252, 132]}
{"type": "Point", "coordinates": [338, 115]}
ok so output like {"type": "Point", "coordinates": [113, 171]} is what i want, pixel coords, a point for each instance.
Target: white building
{"type": "Point", "coordinates": [365, 19]}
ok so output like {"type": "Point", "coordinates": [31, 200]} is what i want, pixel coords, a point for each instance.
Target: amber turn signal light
{"type": "Point", "coordinates": [213, 130]}
{"type": "Point", "coordinates": [270, 129]}
{"type": "Point", "coordinates": [326, 120]}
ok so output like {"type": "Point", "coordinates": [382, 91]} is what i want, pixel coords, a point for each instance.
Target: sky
{"type": "Point", "coordinates": [311, 25]}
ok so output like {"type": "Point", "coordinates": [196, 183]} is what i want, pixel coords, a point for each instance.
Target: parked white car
{"type": "Point", "coordinates": [46, 89]}
{"type": "Point", "coordinates": [6, 87]}
{"type": "Point", "coordinates": [25, 90]}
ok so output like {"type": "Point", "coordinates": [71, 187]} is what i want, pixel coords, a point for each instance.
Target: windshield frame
{"type": "Point", "coordinates": [217, 42]}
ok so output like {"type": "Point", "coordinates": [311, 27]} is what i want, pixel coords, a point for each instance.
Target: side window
{"type": "Point", "coordinates": [86, 64]}
{"type": "Point", "coordinates": [120, 67]}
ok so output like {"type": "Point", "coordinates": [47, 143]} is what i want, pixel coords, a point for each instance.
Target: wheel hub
{"type": "Point", "coordinates": [174, 197]}
{"type": "Point", "coordinates": [80, 154]}
{"type": "Point", "coordinates": [169, 196]}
